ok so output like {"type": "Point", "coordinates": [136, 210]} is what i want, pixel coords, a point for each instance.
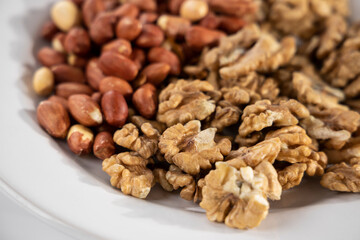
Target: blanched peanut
{"type": "Point", "coordinates": [43, 81]}
{"type": "Point", "coordinates": [65, 15]}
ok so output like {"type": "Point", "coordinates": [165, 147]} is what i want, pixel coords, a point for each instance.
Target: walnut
{"type": "Point", "coordinates": [129, 173]}
{"type": "Point", "coordinates": [315, 128]}
{"type": "Point", "coordinates": [295, 148]}
{"type": "Point", "coordinates": [257, 86]}
{"type": "Point", "coordinates": [247, 51]}
{"type": "Point", "coordinates": [260, 157]}
{"type": "Point", "coordinates": [295, 107]}
{"type": "Point", "coordinates": [265, 151]}
{"type": "Point", "coordinates": [263, 114]}
{"type": "Point", "coordinates": [183, 101]}
{"type": "Point", "coordinates": [298, 63]}
{"type": "Point", "coordinates": [273, 187]}
{"type": "Point", "coordinates": [174, 179]}
{"type": "Point", "coordinates": [146, 145]}
{"type": "Point", "coordinates": [354, 30]}
{"type": "Point", "coordinates": [292, 175]}
{"type": "Point", "coordinates": [198, 71]}
{"type": "Point", "coordinates": [352, 90]}
{"type": "Point", "coordinates": [193, 192]}
{"type": "Point", "coordinates": [343, 65]}
{"type": "Point", "coordinates": [349, 151]}
{"type": "Point", "coordinates": [191, 149]}
{"type": "Point", "coordinates": [265, 56]}
{"type": "Point", "coordinates": [287, 14]}
{"type": "Point", "coordinates": [231, 47]}
{"type": "Point", "coordinates": [191, 188]}
{"type": "Point", "coordinates": [160, 177]}
{"type": "Point", "coordinates": [249, 140]}
{"type": "Point", "coordinates": [312, 91]}
{"type": "Point", "coordinates": [354, 104]}
{"type": "Point", "coordinates": [226, 114]}
{"type": "Point", "coordinates": [343, 177]}
{"type": "Point", "coordinates": [236, 95]}
{"type": "Point", "coordinates": [334, 125]}
{"type": "Point", "coordinates": [334, 33]}
{"type": "Point", "coordinates": [139, 121]}
{"type": "Point", "coordinates": [235, 197]}
{"type": "Point", "coordinates": [337, 118]}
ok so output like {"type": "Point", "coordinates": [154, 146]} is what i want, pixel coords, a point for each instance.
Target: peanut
{"type": "Point", "coordinates": [145, 100]}
{"type": "Point", "coordinates": [138, 57]}
{"type": "Point", "coordinates": [67, 73]}
{"type": "Point", "coordinates": [77, 41]}
{"type": "Point", "coordinates": [80, 139]}
{"type": "Point", "coordinates": [49, 57]}
{"type": "Point", "coordinates": [65, 15]}
{"type": "Point", "coordinates": [210, 21]}
{"type": "Point", "coordinates": [102, 28]}
{"type": "Point", "coordinates": [57, 43]}
{"type": "Point", "coordinates": [128, 28]}
{"type": "Point", "coordinates": [194, 10]}
{"type": "Point", "coordinates": [49, 30]}
{"type": "Point", "coordinates": [156, 72]}
{"type": "Point", "coordinates": [43, 81]}
{"type": "Point", "coordinates": [61, 100]}
{"type": "Point", "coordinates": [233, 7]}
{"type": "Point", "coordinates": [53, 117]}
{"type": "Point", "coordinates": [145, 5]}
{"type": "Point", "coordinates": [174, 6]}
{"type": "Point", "coordinates": [104, 146]}
{"type": "Point", "coordinates": [160, 54]}
{"type": "Point", "coordinates": [151, 36]}
{"type": "Point", "coordinates": [116, 84]}
{"type": "Point", "coordinates": [96, 96]}
{"type": "Point", "coordinates": [65, 90]}
{"type": "Point", "coordinates": [148, 17]}
{"type": "Point", "coordinates": [114, 64]}
{"type": "Point", "coordinates": [199, 37]}
{"type": "Point", "coordinates": [90, 9]}
{"type": "Point", "coordinates": [93, 73]}
{"type": "Point", "coordinates": [76, 61]}
{"type": "Point", "coordinates": [139, 81]}
{"type": "Point", "coordinates": [85, 110]}
{"type": "Point", "coordinates": [173, 26]}
{"type": "Point", "coordinates": [120, 46]}
{"type": "Point", "coordinates": [127, 10]}
{"type": "Point", "coordinates": [231, 24]}
{"type": "Point", "coordinates": [115, 108]}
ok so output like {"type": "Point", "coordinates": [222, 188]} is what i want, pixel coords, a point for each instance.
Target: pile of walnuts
{"type": "Point", "coordinates": [229, 102]}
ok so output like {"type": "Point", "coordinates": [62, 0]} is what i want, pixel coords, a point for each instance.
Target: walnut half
{"type": "Point", "coordinates": [235, 197]}
{"type": "Point", "coordinates": [191, 149]}
{"type": "Point", "coordinates": [343, 177]}
{"type": "Point", "coordinates": [146, 145]}
{"type": "Point", "coordinates": [128, 172]}
{"type": "Point", "coordinates": [183, 101]}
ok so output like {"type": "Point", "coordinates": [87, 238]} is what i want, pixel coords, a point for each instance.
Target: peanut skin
{"type": "Point", "coordinates": [104, 146]}
{"type": "Point", "coordinates": [145, 100]}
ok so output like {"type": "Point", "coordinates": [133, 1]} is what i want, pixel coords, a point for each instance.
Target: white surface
{"type": "Point", "coordinates": [16, 223]}
{"type": "Point", "coordinates": [74, 195]}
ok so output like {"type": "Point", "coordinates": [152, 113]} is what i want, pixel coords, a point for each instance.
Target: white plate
{"type": "Point", "coordinates": [74, 195]}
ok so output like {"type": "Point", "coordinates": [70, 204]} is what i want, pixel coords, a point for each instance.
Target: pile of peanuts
{"type": "Point", "coordinates": [108, 59]}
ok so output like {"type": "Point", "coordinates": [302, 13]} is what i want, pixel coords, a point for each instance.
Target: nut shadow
{"type": "Point", "coordinates": [309, 192]}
